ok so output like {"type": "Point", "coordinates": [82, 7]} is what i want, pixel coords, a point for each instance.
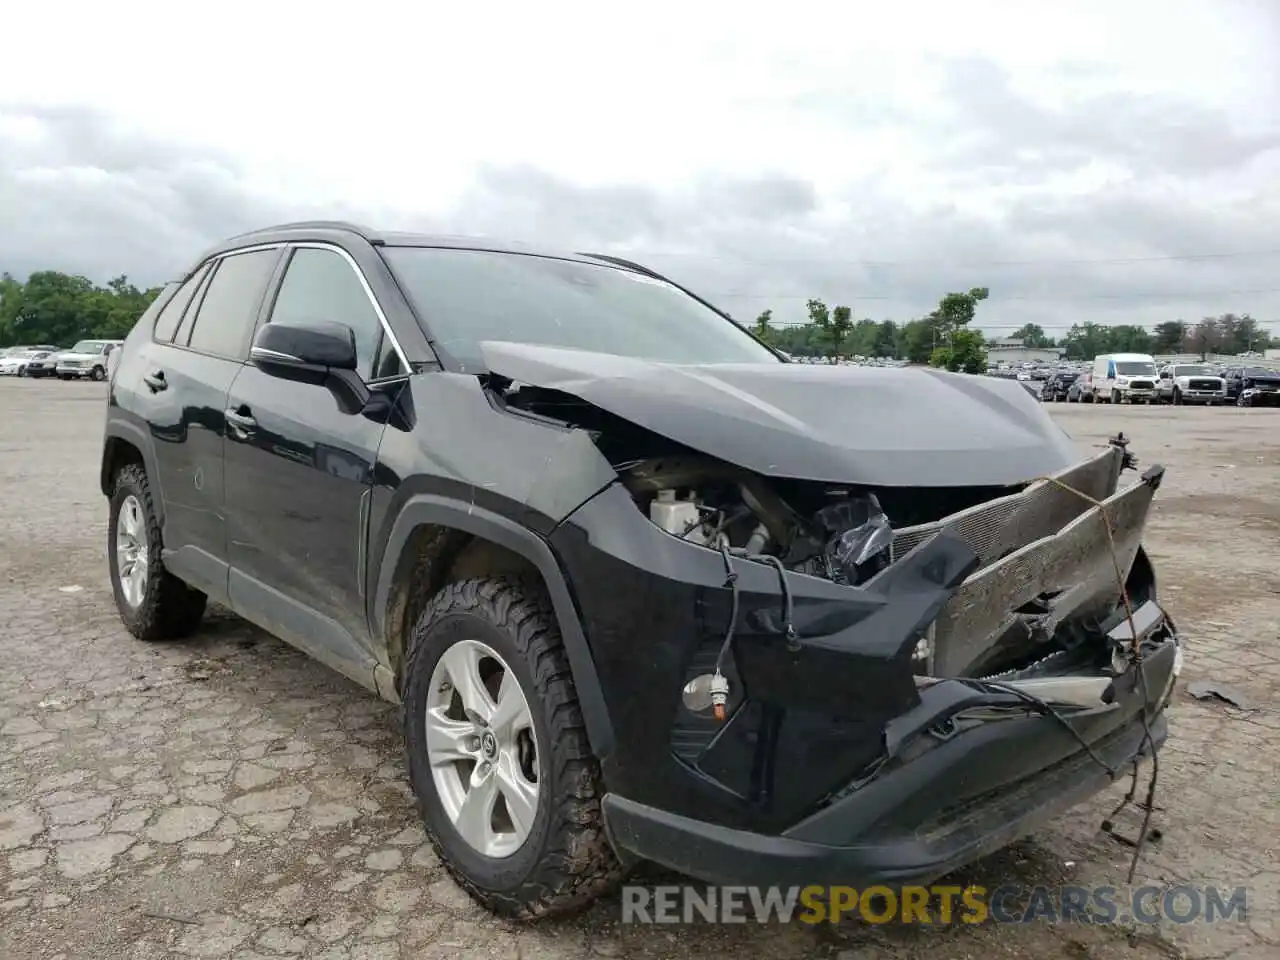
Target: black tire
{"type": "Point", "coordinates": [64, 376]}
{"type": "Point", "coordinates": [98, 374]}
{"type": "Point", "coordinates": [169, 609]}
{"type": "Point", "coordinates": [1177, 397]}
{"type": "Point", "coordinates": [566, 862]}
{"type": "Point", "coordinates": [22, 371]}
{"type": "Point", "coordinates": [1115, 397]}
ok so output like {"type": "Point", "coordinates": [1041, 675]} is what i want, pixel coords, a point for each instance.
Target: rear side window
{"type": "Point", "coordinates": [171, 315]}
{"type": "Point", "coordinates": [230, 305]}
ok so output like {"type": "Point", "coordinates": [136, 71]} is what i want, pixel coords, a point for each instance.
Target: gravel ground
{"type": "Point", "coordinates": [227, 797]}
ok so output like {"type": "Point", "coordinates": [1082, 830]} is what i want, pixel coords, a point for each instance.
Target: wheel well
{"type": "Point", "coordinates": [433, 557]}
{"type": "Point", "coordinates": [116, 455]}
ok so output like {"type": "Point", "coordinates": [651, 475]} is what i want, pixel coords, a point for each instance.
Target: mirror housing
{"type": "Point", "coordinates": [323, 344]}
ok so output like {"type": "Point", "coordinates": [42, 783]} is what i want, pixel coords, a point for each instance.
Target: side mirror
{"type": "Point", "coordinates": [331, 346]}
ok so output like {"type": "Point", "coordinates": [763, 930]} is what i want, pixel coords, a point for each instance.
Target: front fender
{"type": "Point", "coordinates": [423, 509]}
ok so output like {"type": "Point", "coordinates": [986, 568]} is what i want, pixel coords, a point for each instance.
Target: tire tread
{"type": "Point", "coordinates": [577, 864]}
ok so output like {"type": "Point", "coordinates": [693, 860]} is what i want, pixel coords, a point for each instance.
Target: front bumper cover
{"type": "Point", "coordinates": [832, 728]}
{"type": "Point", "coordinates": [959, 800]}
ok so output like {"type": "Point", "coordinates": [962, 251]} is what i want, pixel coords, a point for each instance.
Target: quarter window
{"type": "Point", "coordinates": [320, 285]}
{"type": "Point", "coordinates": [230, 306]}
{"type": "Point", "coordinates": [167, 322]}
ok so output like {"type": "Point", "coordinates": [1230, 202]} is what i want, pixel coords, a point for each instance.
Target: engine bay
{"type": "Point", "coordinates": [1043, 598]}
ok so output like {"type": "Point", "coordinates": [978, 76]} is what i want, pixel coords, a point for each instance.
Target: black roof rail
{"type": "Point", "coordinates": [372, 236]}
{"type": "Point", "coordinates": [622, 262]}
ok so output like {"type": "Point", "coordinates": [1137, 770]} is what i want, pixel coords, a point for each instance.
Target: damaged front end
{"type": "Point", "coordinates": [813, 681]}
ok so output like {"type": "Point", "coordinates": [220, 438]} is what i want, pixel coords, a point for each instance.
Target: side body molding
{"type": "Point", "coordinates": [432, 509]}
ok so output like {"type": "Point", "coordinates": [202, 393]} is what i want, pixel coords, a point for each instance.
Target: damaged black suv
{"type": "Point", "coordinates": [646, 590]}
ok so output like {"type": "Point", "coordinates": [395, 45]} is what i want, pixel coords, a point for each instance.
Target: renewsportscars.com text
{"type": "Point", "coordinates": [938, 904]}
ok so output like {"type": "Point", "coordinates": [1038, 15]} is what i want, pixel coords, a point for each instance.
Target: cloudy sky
{"type": "Point", "coordinates": [1114, 161]}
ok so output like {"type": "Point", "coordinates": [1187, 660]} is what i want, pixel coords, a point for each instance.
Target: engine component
{"type": "Point", "coordinates": [674, 516]}
{"type": "Point", "coordinates": [865, 546]}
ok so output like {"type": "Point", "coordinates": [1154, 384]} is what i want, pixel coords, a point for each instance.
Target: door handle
{"type": "Point", "coordinates": [240, 422]}
{"type": "Point", "coordinates": [155, 380]}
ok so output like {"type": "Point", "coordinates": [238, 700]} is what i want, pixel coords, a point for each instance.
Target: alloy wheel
{"type": "Point", "coordinates": [482, 749]}
{"type": "Point", "coordinates": [131, 551]}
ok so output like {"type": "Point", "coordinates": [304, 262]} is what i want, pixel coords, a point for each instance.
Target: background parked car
{"type": "Point", "coordinates": [1077, 392]}
{"type": "Point", "coordinates": [1057, 385]}
{"type": "Point", "coordinates": [88, 358]}
{"type": "Point", "coordinates": [15, 364]}
{"type": "Point", "coordinates": [1190, 383]}
{"type": "Point", "coordinates": [43, 363]}
{"type": "Point", "coordinates": [36, 362]}
{"type": "Point", "coordinates": [1253, 386]}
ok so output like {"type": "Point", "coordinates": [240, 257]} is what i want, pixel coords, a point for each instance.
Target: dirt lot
{"type": "Point", "coordinates": [226, 797]}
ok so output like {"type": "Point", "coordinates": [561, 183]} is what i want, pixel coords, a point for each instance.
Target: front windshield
{"type": "Point", "coordinates": [1191, 370]}
{"type": "Point", "coordinates": [468, 296]}
{"type": "Point", "coordinates": [87, 346]}
{"type": "Point", "coordinates": [1130, 368]}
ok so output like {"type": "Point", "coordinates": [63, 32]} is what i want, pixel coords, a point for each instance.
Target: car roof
{"type": "Point", "coordinates": [320, 230]}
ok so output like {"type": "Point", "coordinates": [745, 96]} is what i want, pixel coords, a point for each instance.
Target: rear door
{"type": "Point", "coordinates": [182, 376]}
{"type": "Point", "coordinates": [299, 472]}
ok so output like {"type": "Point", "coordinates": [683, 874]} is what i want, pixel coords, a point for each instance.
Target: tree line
{"type": "Point", "coordinates": [60, 308]}
{"type": "Point", "coordinates": [944, 338]}
{"type": "Point", "coordinates": [832, 332]}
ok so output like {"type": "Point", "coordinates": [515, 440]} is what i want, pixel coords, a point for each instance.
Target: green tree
{"type": "Point", "coordinates": [838, 330]}
{"type": "Point", "coordinates": [955, 346]}
{"type": "Point", "coordinates": [1167, 337]}
{"type": "Point", "coordinates": [862, 340]}
{"type": "Point", "coordinates": [966, 353]}
{"type": "Point", "coordinates": [956, 311]}
{"type": "Point", "coordinates": [764, 330]}
{"type": "Point", "coordinates": [888, 341]}
{"type": "Point", "coordinates": [919, 338]}
{"type": "Point", "coordinates": [60, 308]}
{"type": "Point", "coordinates": [1033, 335]}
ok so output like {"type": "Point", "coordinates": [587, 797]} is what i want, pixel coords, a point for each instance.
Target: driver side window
{"type": "Point", "coordinates": [320, 285]}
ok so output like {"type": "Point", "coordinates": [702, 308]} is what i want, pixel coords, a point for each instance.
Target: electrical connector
{"type": "Point", "coordinates": [719, 695]}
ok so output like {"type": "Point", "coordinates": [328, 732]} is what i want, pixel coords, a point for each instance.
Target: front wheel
{"type": "Point", "coordinates": [498, 754]}
{"type": "Point", "coordinates": [153, 603]}
{"type": "Point", "coordinates": [98, 374]}
{"type": "Point", "coordinates": [1115, 397]}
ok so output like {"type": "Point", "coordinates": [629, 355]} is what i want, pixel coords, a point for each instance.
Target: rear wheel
{"type": "Point", "coordinates": [153, 603]}
{"type": "Point", "coordinates": [497, 751]}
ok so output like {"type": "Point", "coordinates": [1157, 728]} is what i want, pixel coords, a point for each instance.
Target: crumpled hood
{"type": "Point", "coordinates": [909, 426]}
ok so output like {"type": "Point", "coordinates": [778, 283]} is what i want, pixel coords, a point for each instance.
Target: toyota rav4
{"type": "Point", "coordinates": [645, 590]}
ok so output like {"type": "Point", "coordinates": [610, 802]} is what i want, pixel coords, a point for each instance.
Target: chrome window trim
{"type": "Point", "coordinates": [262, 353]}
{"type": "Point", "coordinates": [368, 292]}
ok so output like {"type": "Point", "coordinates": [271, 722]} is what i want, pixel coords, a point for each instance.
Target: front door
{"type": "Point", "coordinates": [299, 472]}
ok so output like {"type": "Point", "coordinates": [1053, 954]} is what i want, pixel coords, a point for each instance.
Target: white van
{"type": "Point", "coordinates": [1118, 377]}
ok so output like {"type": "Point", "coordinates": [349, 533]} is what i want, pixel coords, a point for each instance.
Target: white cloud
{"type": "Point", "coordinates": [777, 142]}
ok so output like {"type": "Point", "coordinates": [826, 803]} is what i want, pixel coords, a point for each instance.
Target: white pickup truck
{"type": "Point", "coordinates": [1190, 383]}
